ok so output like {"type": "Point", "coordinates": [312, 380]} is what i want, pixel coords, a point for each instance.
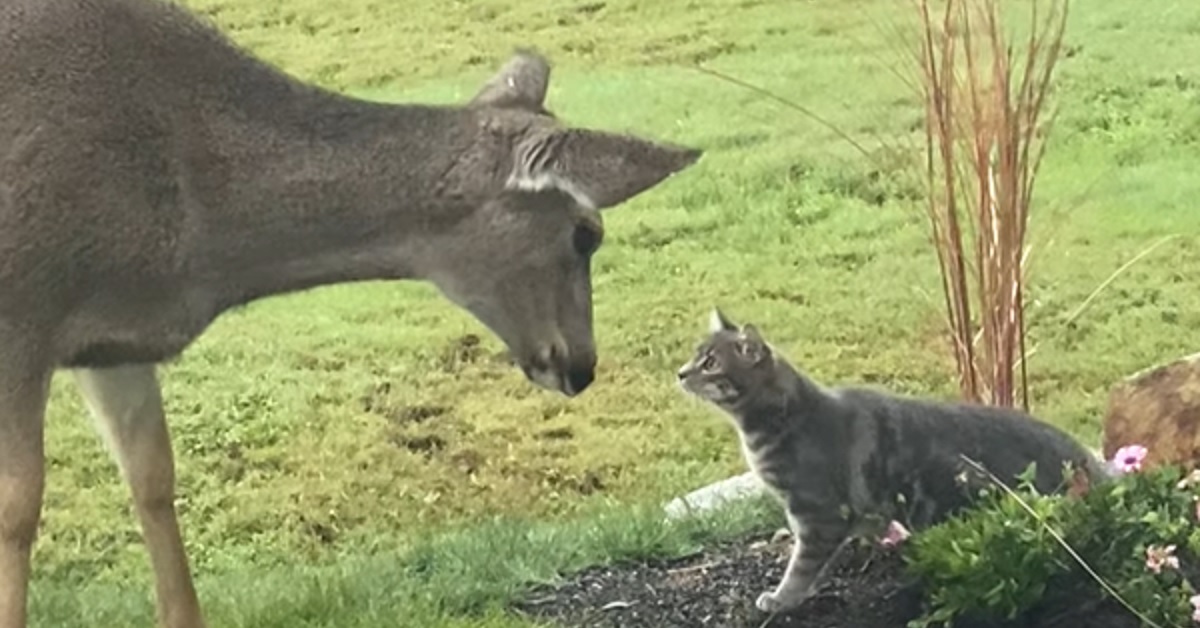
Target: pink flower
{"type": "Point", "coordinates": [1158, 557]}
{"type": "Point", "coordinates": [895, 535]}
{"type": "Point", "coordinates": [1195, 600]}
{"type": "Point", "coordinates": [1128, 459]}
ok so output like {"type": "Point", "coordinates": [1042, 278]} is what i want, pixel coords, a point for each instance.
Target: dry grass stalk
{"type": "Point", "coordinates": [984, 109]}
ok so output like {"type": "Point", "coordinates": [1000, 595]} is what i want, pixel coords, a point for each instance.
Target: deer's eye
{"type": "Point", "coordinates": [586, 239]}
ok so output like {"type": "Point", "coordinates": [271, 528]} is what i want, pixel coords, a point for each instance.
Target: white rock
{"type": "Point", "coordinates": [714, 495]}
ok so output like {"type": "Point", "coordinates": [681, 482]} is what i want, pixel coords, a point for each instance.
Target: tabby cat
{"type": "Point", "coordinates": [843, 461]}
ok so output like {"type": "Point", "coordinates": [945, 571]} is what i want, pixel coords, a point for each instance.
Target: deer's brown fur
{"type": "Point", "coordinates": [153, 176]}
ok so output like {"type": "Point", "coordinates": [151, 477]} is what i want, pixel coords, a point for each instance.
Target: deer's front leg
{"type": "Point", "coordinates": [127, 404]}
{"type": "Point", "coordinates": [22, 481]}
{"type": "Point", "coordinates": [814, 546]}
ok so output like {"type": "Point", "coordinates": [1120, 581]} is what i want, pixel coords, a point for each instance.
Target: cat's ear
{"type": "Point", "coordinates": [717, 322]}
{"type": "Point", "coordinates": [752, 346]}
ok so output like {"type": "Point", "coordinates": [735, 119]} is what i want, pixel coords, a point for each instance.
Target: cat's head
{"type": "Point", "coordinates": [730, 365]}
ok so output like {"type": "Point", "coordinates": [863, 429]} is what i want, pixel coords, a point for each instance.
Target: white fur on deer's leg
{"type": "Point", "coordinates": [127, 404]}
{"type": "Point", "coordinates": [22, 480]}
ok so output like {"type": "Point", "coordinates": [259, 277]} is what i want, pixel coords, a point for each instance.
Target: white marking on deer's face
{"type": "Point", "coordinates": [521, 262]}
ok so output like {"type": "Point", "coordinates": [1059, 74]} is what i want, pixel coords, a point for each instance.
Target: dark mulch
{"type": "Point", "coordinates": [866, 589]}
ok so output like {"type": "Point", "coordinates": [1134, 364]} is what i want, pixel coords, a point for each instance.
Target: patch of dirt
{"type": "Point", "coordinates": [718, 587]}
{"type": "Point", "coordinates": [587, 483]}
{"type": "Point", "coordinates": [557, 433]}
{"type": "Point", "coordinates": [416, 414]}
{"type": "Point", "coordinates": [322, 532]}
{"type": "Point", "coordinates": [773, 294]}
{"type": "Point", "coordinates": [427, 445]}
{"type": "Point", "coordinates": [468, 461]}
{"type": "Point", "coordinates": [865, 588]}
{"type": "Point", "coordinates": [466, 349]}
{"type": "Point", "coordinates": [377, 402]}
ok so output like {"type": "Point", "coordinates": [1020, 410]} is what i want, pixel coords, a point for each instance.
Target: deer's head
{"type": "Point", "coordinates": [521, 260]}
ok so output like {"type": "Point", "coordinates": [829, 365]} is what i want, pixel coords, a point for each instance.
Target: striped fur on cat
{"type": "Point", "coordinates": [844, 461]}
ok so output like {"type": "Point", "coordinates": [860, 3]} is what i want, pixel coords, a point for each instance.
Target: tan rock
{"type": "Point", "coordinates": [1158, 408]}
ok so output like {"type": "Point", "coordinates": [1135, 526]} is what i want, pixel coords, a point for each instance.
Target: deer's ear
{"type": "Point", "coordinates": [520, 83]}
{"type": "Point", "coordinates": [598, 169]}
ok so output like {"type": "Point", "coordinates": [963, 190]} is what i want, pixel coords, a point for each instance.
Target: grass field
{"type": "Point", "coordinates": [348, 457]}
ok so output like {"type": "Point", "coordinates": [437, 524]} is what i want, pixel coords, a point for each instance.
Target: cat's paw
{"type": "Point", "coordinates": [766, 602]}
{"type": "Point", "coordinates": [770, 602]}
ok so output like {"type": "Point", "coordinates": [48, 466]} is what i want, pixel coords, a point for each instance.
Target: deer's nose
{"type": "Point", "coordinates": [579, 378]}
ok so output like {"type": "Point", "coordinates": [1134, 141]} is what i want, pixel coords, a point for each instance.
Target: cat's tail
{"type": "Point", "coordinates": [1097, 469]}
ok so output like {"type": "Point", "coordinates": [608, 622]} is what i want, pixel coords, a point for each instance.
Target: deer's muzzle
{"type": "Point", "coordinates": [556, 369]}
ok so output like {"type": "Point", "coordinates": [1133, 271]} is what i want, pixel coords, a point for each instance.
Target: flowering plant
{"type": "Point", "coordinates": [1128, 459]}
{"type": "Point", "coordinates": [895, 535]}
{"type": "Point", "coordinates": [1136, 532]}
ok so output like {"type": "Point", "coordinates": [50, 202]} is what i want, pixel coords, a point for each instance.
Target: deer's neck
{"type": "Point", "coordinates": [324, 190]}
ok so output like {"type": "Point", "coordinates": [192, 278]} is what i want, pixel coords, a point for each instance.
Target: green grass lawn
{"type": "Point", "coordinates": [309, 492]}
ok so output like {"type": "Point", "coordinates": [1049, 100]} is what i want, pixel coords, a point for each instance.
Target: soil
{"type": "Point", "coordinates": [865, 588]}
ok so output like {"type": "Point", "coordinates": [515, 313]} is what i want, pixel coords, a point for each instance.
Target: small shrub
{"type": "Point", "coordinates": [985, 92]}
{"type": "Point", "coordinates": [1137, 534]}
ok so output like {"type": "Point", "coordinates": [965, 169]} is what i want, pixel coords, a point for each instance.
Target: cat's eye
{"type": "Point", "coordinates": [709, 363]}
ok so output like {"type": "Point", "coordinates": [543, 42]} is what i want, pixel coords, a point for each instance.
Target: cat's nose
{"type": "Point", "coordinates": [682, 373]}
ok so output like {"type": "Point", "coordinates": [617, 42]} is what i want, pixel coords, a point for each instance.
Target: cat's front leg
{"type": "Point", "coordinates": [814, 546]}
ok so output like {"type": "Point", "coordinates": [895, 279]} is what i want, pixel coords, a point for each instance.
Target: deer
{"type": "Point", "coordinates": [154, 175]}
